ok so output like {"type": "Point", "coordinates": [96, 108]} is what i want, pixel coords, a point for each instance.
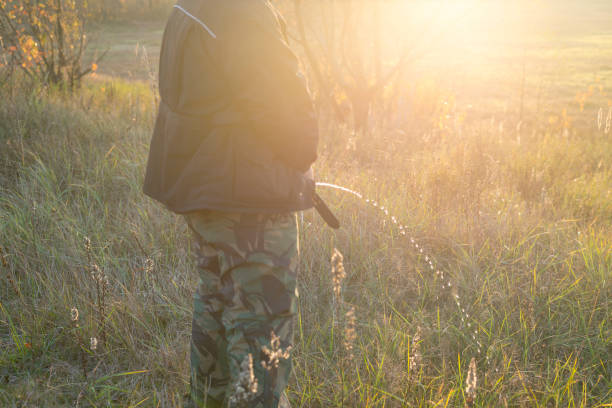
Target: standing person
{"type": "Point", "coordinates": [234, 137]}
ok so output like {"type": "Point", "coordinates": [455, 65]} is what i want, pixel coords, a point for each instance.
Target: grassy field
{"type": "Point", "coordinates": [502, 268]}
{"type": "Point", "coordinates": [553, 55]}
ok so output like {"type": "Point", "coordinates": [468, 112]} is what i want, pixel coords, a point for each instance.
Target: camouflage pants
{"type": "Point", "coordinates": [243, 308]}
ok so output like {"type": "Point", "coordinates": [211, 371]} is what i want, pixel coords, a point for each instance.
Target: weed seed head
{"type": "Point", "coordinates": [338, 272]}
{"type": "Point", "coordinates": [148, 265]}
{"type": "Point", "coordinates": [95, 272]}
{"type": "Point", "coordinates": [93, 343]}
{"type": "Point", "coordinates": [351, 144]}
{"type": "Point", "coordinates": [472, 380]}
{"type": "Point", "coordinates": [246, 385]}
{"type": "Point", "coordinates": [97, 275]}
{"type": "Point", "coordinates": [414, 356]}
{"type": "Point", "coordinates": [349, 332]}
{"type": "Point", "coordinates": [74, 314]}
{"type": "Point", "coordinates": [274, 353]}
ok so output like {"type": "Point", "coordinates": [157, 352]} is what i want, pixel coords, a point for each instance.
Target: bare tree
{"type": "Point", "coordinates": [345, 57]}
{"type": "Point", "coordinates": [45, 40]}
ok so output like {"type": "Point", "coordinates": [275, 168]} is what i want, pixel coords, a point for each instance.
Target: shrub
{"type": "Point", "coordinates": [46, 40]}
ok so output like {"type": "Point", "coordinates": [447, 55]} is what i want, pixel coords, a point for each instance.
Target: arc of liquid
{"type": "Point", "coordinates": [337, 187]}
{"type": "Point", "coordinates": [427, 258]}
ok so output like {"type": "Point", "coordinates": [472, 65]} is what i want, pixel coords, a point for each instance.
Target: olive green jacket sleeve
{"type": "Point", "coordinates": [268, 86]}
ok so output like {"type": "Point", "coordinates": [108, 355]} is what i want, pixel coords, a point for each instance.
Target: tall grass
{"type": "Point", "coordinates": [519, 224]}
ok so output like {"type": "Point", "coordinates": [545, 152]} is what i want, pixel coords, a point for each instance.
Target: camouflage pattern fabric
{"type": "Point", "coordinates": [246, 297]}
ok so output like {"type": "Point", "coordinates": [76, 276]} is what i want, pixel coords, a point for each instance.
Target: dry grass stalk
{"type": "Point", "coordinates": [74, 319]}
{"type": "Point", "coordinates": [101, 281]}
{"type": "Point", "coordinates": [8, 276]}
{"type": "Point", "coordinates": [246, 385]}
{"type": "Point", "coordinates": [600, 118]}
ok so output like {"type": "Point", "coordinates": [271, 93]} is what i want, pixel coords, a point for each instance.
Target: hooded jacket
{"type": "Point", "coordinates": [236, 129]}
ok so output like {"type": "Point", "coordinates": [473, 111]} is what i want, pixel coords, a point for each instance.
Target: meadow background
{"type": "Point", "coordinates": [486, 136]}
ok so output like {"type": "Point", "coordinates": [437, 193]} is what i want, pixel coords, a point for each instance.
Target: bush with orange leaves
{"type": "Point", "coordinates": [45, 40]}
